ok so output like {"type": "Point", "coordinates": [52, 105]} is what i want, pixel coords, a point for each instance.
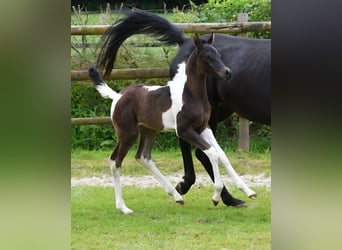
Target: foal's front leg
{"type": "Point", "coordinates": [190, 177]}
{"type": "Point", "coordinates": [200, 141]}
{"type": "Point", "coordinates": [226, 163]}
{"type": "Point", "coordinates": [226, 197]}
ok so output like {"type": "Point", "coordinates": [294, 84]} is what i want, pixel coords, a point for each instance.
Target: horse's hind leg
{"type": "Point", "coordinates": [115, 162]}
{"type": "Point", "coordinates": [143, 156]}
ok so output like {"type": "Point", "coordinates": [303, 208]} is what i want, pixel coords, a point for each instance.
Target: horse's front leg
{"type": "Point", "coordinates": [189, 172]}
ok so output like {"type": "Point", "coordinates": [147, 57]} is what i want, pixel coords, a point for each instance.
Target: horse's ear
{"type": "Point", "coordinates": [211, 39]}
{"type": "Point", "coordinates": [197, 41]}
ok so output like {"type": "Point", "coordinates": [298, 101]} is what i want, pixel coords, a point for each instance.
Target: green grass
{"type": "Point", "coordinates": [95, 163]}
{"type": "Point", "coordinates": [160, 223]}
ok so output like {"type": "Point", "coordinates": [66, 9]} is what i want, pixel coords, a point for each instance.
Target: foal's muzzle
{"type": "Point", "coordinates": [227, 73]}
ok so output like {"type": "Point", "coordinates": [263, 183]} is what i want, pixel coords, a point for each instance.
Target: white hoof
{"type": "Point", "coordinates": [125, 209]}
{"type": "Point", "coordinates": [250, 193]}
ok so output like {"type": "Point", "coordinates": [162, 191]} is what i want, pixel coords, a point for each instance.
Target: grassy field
{"type": "Point", "coordinates": [160, 223]}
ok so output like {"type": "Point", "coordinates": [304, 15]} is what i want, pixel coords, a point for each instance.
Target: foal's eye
{"type": "Point", "coordinates": [207, 56]}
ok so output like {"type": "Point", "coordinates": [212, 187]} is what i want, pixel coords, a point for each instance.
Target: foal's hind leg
{"type": "Point", "coordinates": [143, 155]}
{"type": "Point", "coordinates": [115, 162]}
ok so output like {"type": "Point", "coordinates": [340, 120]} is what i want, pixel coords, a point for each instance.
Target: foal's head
{"type": "Point", "coordinates": [208, 59]}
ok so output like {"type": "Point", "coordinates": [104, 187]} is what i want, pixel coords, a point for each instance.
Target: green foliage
{"type": "Point", "coordinates": [228, 136]}
{"type": "Point", "coordinates": [86, 102]}
{"type": "Point", "coordinates": [178, 16]}
{"type": "Point", "coordinates": [227, 10]}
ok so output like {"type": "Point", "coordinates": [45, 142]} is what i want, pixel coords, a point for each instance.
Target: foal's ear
{"type": "Point", "coordinates": [211, 39]}
{"type": "Point", "coordinates": [197, 41]}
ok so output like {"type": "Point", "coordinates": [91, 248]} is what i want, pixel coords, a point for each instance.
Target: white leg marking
{"type": "Point", "coordinates": [120, 203]}
{"type": "Point", "coordinates": [218, 184]}
{"type": "Point", "coordinates": [149, 164]}
{"type": "Point", "coordinates": [208, 134]}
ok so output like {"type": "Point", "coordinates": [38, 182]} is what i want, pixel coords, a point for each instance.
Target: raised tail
{"type": "Point", "coordinates": [135, 22]}
{"type": "Point", "coordinates": [101, 86]}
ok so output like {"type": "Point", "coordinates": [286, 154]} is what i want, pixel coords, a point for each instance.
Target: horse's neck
{"type": "Point", "coordinates": [195, 80]}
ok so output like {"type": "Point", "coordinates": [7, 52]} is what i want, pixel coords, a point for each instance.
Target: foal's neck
{"type": "Point", "coordinates": [196, 83]}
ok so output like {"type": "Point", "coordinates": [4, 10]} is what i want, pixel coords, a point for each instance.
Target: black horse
{"type": "Point", "coordinates": [247, 93]}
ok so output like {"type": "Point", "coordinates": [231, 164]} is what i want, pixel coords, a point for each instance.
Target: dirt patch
{"type": "Point", "coordinates": [260, 180]}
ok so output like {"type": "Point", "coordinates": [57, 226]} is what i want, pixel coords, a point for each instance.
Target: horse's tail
{"type": "Point", "coordinates": [101, 86]}
{"type": "Point", "coordinates": [136, 22]}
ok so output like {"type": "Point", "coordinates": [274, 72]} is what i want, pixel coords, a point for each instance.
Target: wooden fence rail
{"type": "Point", "coordinates": [233, 27]}
{"type": "Point", "coordinates": [91, 120]}
{"type": "Point", "coordinates": [142, 73]}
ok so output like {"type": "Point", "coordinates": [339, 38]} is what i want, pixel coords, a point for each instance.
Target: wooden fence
{"type": "Point", "coordinates": [241, 28]}
{"type": "Point", "coordinates": [233, 28]}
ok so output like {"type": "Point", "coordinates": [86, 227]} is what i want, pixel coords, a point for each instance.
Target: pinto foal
{"type": "Point", "coordinates": [182, 106]}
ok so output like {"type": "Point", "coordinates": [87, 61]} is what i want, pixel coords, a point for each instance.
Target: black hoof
{"type": "Point", "coordinates": [215, 202]}
{"type": "Point", "coordinates": [243, 204]}
{"type": "Point", "coordinates": [179, 188]}
{"type": "Point", "coordinates": [182, 188]}
{"type": "Point", "coordinates": [235, 203]}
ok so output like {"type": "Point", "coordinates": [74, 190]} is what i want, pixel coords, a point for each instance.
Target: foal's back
{"type": "Point", "coordinates": [154, 107]}
{"type": "Point", "coordinates": [145, 103]}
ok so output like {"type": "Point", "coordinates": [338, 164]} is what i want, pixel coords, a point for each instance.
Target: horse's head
{"type": "Point", "coordinates": [209, 59]}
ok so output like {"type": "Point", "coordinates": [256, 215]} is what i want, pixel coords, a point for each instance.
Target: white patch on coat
{"type": "Point", "coordinates": [151, 88]}
{"type": "Point", "coordinates": [176, 86]}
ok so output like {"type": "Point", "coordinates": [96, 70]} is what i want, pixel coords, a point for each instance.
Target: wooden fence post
{"type": "Point", "coordinates": [243, 123]}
